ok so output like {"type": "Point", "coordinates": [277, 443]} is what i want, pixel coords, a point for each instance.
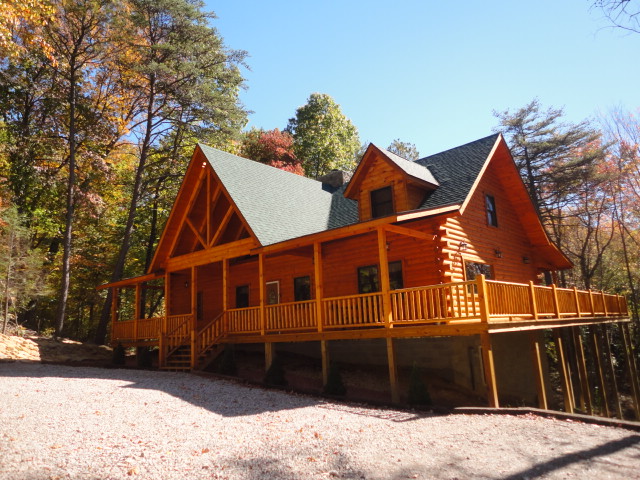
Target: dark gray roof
{"type": "Point", "coordinates": [280, 206]}
{"type": "Point", "coordinates": [410, 168]}
{"type": "Point", "coordinates": [456, 170]}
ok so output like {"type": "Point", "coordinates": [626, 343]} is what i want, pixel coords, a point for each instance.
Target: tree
{"type": "Point", "coordinates": [271, 147]}
{"type": "Point", "coordinates": [188, 84]}
{"type": "Point", "coordinates": [21, 25]}
{"type": "Point", "coordinates": [21, 267]}
{"type": "Point", "coordinates": [406, 150]}
{"type": "Point", "coordinates": [323, 137]}
{"type": "Point", "coordinates": [549, 153]}
{"type": "Point", "coordinates": [624, 14]}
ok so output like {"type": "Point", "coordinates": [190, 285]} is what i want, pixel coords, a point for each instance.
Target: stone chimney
{"type": "Point", "coordinates": [335, 179]}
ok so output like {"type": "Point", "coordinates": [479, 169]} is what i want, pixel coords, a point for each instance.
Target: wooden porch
{"type": "Point", "coordinates": [462, 308]}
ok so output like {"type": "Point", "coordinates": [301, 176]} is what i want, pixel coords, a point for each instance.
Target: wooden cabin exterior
{"type": "Point", "coordinates": [449, 245]}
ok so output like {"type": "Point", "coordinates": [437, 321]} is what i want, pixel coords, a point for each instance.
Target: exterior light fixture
{"type": "Point", "coordinates": [498, 253]}
{"type": "Point", "coordinates": [526, 260]}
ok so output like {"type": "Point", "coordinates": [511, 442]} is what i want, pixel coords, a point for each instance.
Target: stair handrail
{"type": "Point", "coordinates": [171, 346]}
{"type": "Point", "coordinates": [201, 344]}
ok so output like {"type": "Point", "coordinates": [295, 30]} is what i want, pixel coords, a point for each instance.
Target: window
{"type": "Point", "coordinates": [302, 289]}
{"type": "Point", "coordinates": [395, 275]}
{"type": "Point", "coordinates": [473, 269]}
{"type": "Point", "coordinates": [242, 296]}
{"type": "Point", "coordinates": [273, 292]}
{"type": "Point", "coordinates": [492, 217]}
{"type": "Point", "coordinates": [382, 202]}
{"type": "Point", "coordinates": [368, 278]}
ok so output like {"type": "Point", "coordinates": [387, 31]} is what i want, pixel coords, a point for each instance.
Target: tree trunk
{"type": "Point", "coordinates": [7, 280]}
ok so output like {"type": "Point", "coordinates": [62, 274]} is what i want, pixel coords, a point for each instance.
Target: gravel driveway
{"type": "Point", "coordinates": [59, 422]}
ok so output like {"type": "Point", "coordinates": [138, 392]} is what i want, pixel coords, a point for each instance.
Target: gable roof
{"type": "Point", "coordinates": [279, 205]}
{"type": "Point", "coordinates": [457, 171]}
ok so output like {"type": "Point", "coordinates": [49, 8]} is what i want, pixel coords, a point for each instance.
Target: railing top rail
{"type": "Point", "coordinates": [303, 302]}
{"type": "Point", "coordinates": [432, 287]}
{"type": "Point", "coordinates": [217, 319]}
{"type": "Point", "coordinates": [181, 324]}
{"type": "Point", "coordinates": [358, 295]}
{"type": "Point", "coordinates": [242, 309]}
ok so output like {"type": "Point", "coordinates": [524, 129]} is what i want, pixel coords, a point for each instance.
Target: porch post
{"type": "Point", "coordinates": [136, 313]}
{"type": "Point", "coordinates": [536, 352]}
{"type": "Point", "coordinates": [393, 370]}
{"type": "Point", "coordinates": [609, 365]}
{"type": "Point", "coordinates": [631, 367]}
{"type": "Point", "coordinates": [384, 276]}
{"type": "Point", "coordinates": [225, 293]}
{"type": "Point", "coordinates": [268, 355]}
{"type": "Point", "coordinates": [489, 370]}
{"type": "Point", "coordinates": [564, 374]}
{"type": "Point", "coordinates": [194, 315]}
{"type": "Point", "coordinates": [599, 373]}
{"type": "Point", "coordinates": [318, 282]}
{"type": "Point", "coordinates": [324, 351]}
{"type": "Point", "coordinates": [114, 306]}
{"type": "Point", "coordinates": [262, 293]}
{"type": "Point", "coordinates": [582, 370]}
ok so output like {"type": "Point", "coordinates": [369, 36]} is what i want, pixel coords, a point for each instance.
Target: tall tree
{"type": "Point", "coordinates": [323, 137]}
{"type": "Point", "coordinates": [271, 147]}
{"type": "Point", "coordinates": [624, 14]}
{"type": "Point", "coordinates": [406, 150]}
{"type": "Point", "coordinates": [548, 153]}
{"type": "Point", "coordinates": [188, 84]}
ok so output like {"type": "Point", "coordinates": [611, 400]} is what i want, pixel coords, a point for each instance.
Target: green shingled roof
{"type": "Point", "coordinates": [280, 206]}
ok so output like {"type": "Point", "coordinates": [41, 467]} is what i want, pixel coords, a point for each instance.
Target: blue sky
{"type": "Point", "coordinates": [429, 72]}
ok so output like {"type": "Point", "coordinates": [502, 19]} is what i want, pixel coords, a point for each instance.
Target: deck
{"type": "Point", "coordinates": [462, 308]}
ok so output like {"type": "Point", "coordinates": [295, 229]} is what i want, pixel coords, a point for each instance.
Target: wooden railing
{"type": "Point", "coordinates": [435, 304]}
{"type": "Point", "coordinates": [461, 302]}
{"type": "Point", "coordinates": [291, 316]}
{"type": "Point", "coordinates": [243, 320]}
{"type": "Point", "coordinates": [207, 337]}
{"type": "Point", "coordinates": [353, 311]}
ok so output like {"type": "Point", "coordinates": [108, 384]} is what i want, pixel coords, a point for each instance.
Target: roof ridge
{"type": "Point", "coordinates": [479, 140]}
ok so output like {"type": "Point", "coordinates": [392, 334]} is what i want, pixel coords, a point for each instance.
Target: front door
{"type": "Point", "coordinates": [273, 292]}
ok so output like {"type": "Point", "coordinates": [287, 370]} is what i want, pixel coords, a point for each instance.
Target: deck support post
{"type": "Point", "coordinates": [582, 371]}
{"type": "Point", "coordinates": [262, 292]}
{"type": "Point", "coordinates": [489, 370]}
{"type": "Point", "coordinates": [114, 305]}
{"type": "Point", "coordinates": [225, 293]}
{"type": "Point", "coordinates": [609, 366]}
{"type": "Point", "coordinates": [595, 346]}
{"type": "Point", "coordinates": [631, 367]}
{"type": "Point", "coordinates": [564, 374]}
{"type": "Point", "coordinates": [324, 351]}
{"type": "Point", "coordinates": [536, 353]}
{"type": "Point", "coordinates": [318, 283]}
{"type": "Point", "coordinates": [268, 355]}
{"type": "Point", "coordinates": [136, 313]}
{"type": "Point", "coordinates": [194, 315]}
{"type": "Point", "coordinates": [384, 277]}
{"type": "Point", "coordinates": [393, 370]}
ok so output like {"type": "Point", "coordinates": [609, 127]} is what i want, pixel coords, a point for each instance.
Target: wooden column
{"type": "Point", "coordinates": [393, 371]}
{"type": "Point", "coordinates": [609, 366]}
{"type": "Point", "coordinates": [225, 294]}
{"type": "Point", "coordinates": [384, 276]}
{"type": "Point", "coordinates": [556, 303]}
{"type": "Point", "coordinates": [582, 370]}
{"type": "Point", "coordinates": [136, 312]}
{"type": "Point", "coordinates": [262, 290]}
{"type": "Point", "coordinates": [577, 301]}
{"type": "Point", "coordinates": [631, 367]}
{"type": "Point", "coordinates": [318, 281]}
{"type": "Point", "coordinates": [194, 315]}
{"type": "Point", "coordinates": [489, 370]}
{"type": "Point", "coordinates": [536, 353]}
{"type": "Point", "coordinates": [564, 374]}
{"type": "Point", "coordinates": [268, 355]}
{"type": "Point", "coordinates": [599, 373]}
{"type": "Point", "coordinates": [114, 305]}
{"type": "Point", "coordinates": [483, 298]}
{"type": "Point", "coordinates": [324, 350]}
{"type": "Point", "coordinates": [533, 304]}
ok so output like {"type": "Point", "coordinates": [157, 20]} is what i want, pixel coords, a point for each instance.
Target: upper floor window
{"type": "Point", "coordinates": [492, 216]}
{"type": "Point", "coordinates": [368, 278]}
{"type": "Point", "coordinates": [382, 202]}
{"type": "Point", "coordinates": [302, 288]}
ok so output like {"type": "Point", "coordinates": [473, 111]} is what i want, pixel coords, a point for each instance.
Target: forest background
{"type": "Point", "coordinates": [103, 102]}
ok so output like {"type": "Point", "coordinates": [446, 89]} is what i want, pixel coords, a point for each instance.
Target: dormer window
{"type": "Point", "coordinates": [382, 202]}
{"type": "Point", "coordinates": [492, 216]}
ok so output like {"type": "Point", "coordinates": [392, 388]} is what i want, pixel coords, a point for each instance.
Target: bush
{"type": "Point", "coordinates": [227, 364]}
{"type": "Point", "coordinates": [418, 393]}
{"type": "Point", "coordinates": [143, 357]}
{"type": "Point", "coordinates": [334, 385]}
{"type": "Point", "coordinates": [118, 355]}
{"type": "Point", "coordinates": [275, 374]}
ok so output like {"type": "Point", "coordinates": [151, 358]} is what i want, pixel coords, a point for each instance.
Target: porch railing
{"type": "Point", "coordinates": [460, 302]}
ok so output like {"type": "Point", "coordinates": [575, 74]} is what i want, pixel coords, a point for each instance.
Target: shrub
{"type": "Point", "coordinates": [334, 385]}
{"type": "Point", "coordinates": [275, 374]}
{"type": "Point", "coordinates": [227, 364]}
{"type": "Point", "coordinates": [143, 357]}
{"type": "Point", "coordinates": [418, 393]}
{"type": "Point", "coordinates": [118, 355]}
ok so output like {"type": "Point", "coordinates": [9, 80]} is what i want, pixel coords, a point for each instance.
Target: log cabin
{"type": "Point", "coordinates": [448, 248]}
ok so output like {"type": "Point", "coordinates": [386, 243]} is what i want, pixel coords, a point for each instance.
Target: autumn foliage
{"type": "Point", "coordinates": [273, 148]}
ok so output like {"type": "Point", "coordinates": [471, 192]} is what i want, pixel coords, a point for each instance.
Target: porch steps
{"type": "Point", "coordinates": [179, 360]}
